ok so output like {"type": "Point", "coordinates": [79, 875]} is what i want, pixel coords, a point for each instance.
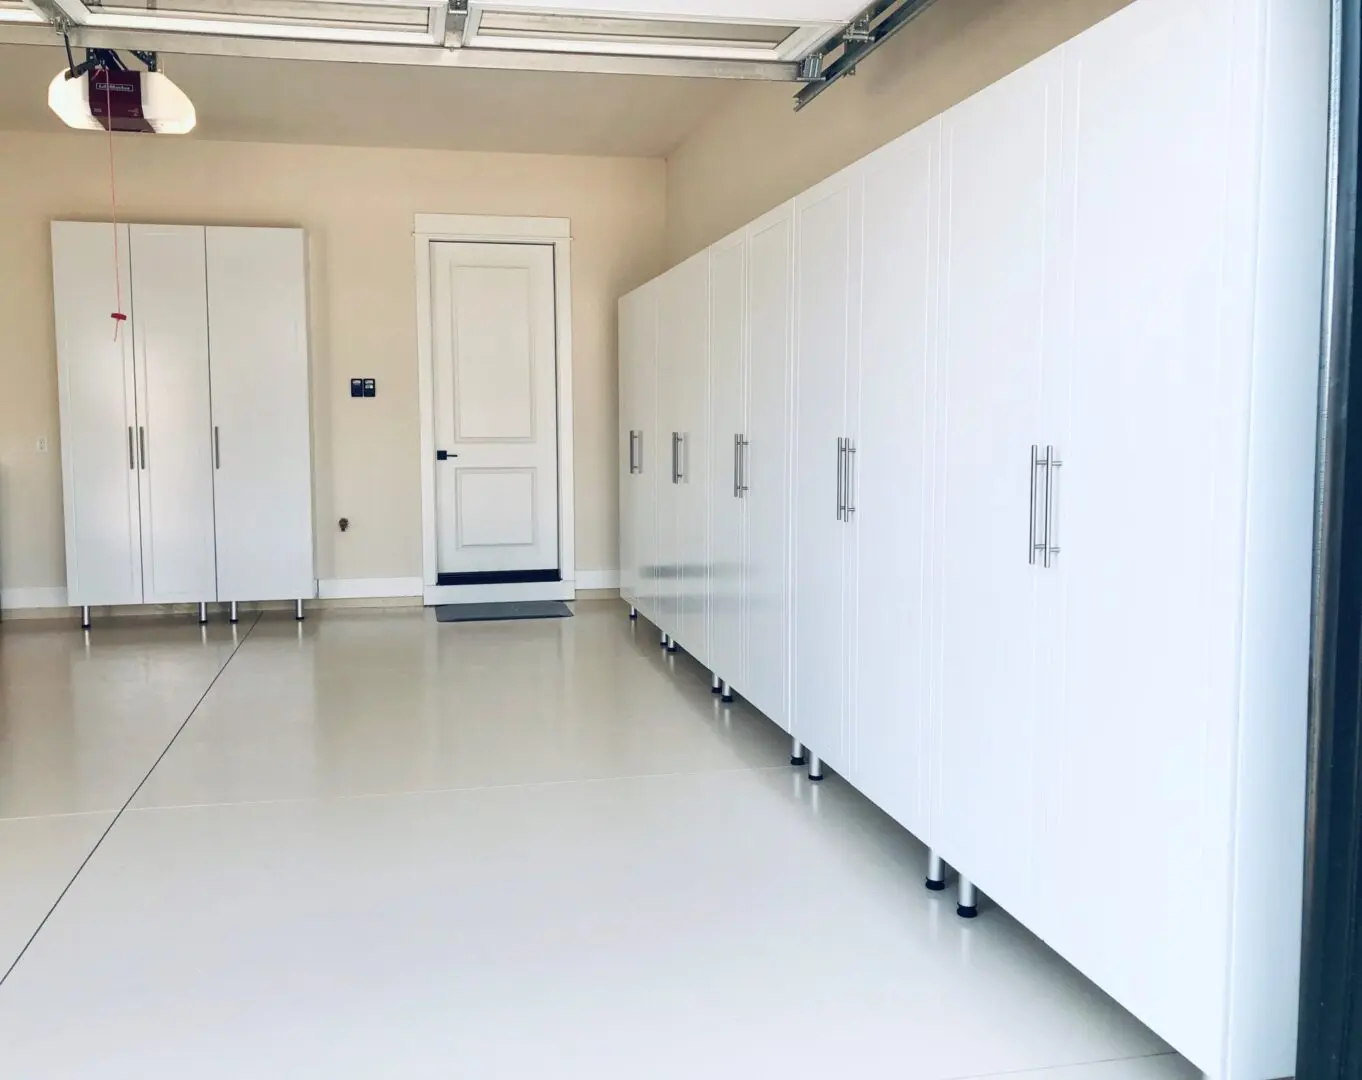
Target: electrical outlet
{"type": "Point", "coordinates": [42, 444]}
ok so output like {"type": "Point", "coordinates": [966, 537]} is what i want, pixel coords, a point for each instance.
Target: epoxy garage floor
{"type": "Point", "coordinates": [371, 846]}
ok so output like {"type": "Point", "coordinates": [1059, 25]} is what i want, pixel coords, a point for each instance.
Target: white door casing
{"type": "Point", "coordinates": [495, 381]}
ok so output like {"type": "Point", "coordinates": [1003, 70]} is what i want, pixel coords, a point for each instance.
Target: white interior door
{"type": "Point", "coordinates": [98, 416]}
{"type": "Point", "coordinates": [727, 345]}
{"type": "Point", "coordinates": [827, 226]}
{"type": "Point", "coordinates": [495, 382]}
{"type": "Point", "coordinates": [262, 435]}
{"type": "Point", "coordinates": [897, 407]}
{"type": "Point", "coordinates": [995, 162]}
{"type": "Point", "coordinates": [170, 343]}
{"type": "Point", "coordinates": [766, 465]}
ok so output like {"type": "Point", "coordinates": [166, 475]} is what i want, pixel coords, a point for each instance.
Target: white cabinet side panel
{"type": "Point", "coordinates": [1270, 792]}
{"type": "Point", "coordinates": [257, 326]}
{"type": "Point", "coordinates": [98, 415]}
{"type": "Point", "coordinates": [766, 561]}
{"type": "Point", "coordinates": [895, 434]}
{"type": "Point", "coordinates": [727, 305]}
{"type": "Point", "coordinates": [170, 335]}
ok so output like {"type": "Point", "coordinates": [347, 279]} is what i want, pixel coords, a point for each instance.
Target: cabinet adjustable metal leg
{"type": "Point", "coordinates": [815, 767]}
{"type": "Point", "coordinates": [672, 646]}
{"type": "Point", "coordinates": [967, 902]}
{"type": "Point", "coordinates": [633, 612]}
{"type": "Point", "coordinates": [85, 617]}
{"type": "Point", "coordinates": [796, 752]}
{"type": "Point", "coordinates": [936, 872]}
{"type": "Point", "coordinates": [663, 638]}
{"type": "Point", "coordinates": [232, 615]}
{"type": "Point", "coordinates": [725, 691]}
{"type": "Point", "coordinates": [715, 683]}
{"type": "Point", "coordinates": [298, 610]}
{"type": "Point", "coordinates": [203, 614]}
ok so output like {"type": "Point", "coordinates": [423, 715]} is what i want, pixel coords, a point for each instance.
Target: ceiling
{"type": "Point", "coordinates": [300, 101]}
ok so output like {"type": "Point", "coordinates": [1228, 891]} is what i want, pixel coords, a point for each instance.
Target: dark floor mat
{"type": "Point", "coordinates": [521, 609]}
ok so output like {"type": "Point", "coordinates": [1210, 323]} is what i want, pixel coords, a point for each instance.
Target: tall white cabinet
{"type": "Point", "coordinates": [186, 442]}
{"type": "Point", "coordinates": [1046, 549]}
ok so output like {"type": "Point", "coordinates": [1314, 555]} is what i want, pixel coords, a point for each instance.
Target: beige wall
{"type": "Point", "coordinates": [357, 207]}
{"type": "Point", "coordinates": [755, 151]}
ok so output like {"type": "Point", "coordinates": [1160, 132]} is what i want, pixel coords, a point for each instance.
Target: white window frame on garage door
{"type": "Point", "coordinates": [436, 228]}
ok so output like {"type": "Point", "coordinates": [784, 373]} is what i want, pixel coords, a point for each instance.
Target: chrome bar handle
{"type": "Point", "coordinates": [850, 489]}
{"type": "Point", "coordinates": [1032, 545]}
{"type": "Point", "coordinates": [675, 478]}
{"type": "Point", "coordinates": [633, 467]}
{"type": "Point", "coordinates": [217, 447]}
{"type": "Point", "coordinates": [680, 457]}
{"type": "Point", "coordinates": [141, 447]}
{"type": "Point", "coordinates": [1052, 464]}
{"type": "Point", "coordinates": [737, 466]}
{"type": "Point", "coordinates": [743, 447]}
{"type": "Point", "coordinates": [132, 450]}
{"type": "Point", "coordinates": [841, 479]}
{"type": "Point", "coordinates": [640, 451]}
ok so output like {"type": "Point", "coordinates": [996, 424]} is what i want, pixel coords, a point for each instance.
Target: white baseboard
{"type": "Point", "coordinates": [35, 596]}
{"type": "Point", "coordinates": [598, 579]}
{"type": "Point", "coordinates": [367, 588]}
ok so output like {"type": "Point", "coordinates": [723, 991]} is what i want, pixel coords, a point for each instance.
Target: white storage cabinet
{"type": "Point", "coordinates": [1051, 462]}
{"type": "Point", "coordinates": [186, 439]}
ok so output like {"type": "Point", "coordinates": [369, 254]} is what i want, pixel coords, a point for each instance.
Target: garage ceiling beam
{"type": "Point", "coordinates": [863, 35]}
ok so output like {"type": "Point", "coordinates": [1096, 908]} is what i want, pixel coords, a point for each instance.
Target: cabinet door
{"type": "Point", "coordinates": [670, 373]}
{"type": "Point", "coordinates": [98, 415]}
{"type": "Point", "coordinates": [994, 149]}
{"type": "Point", "coordinates": [1146, 727]}
{"type": "Point", "coordinates": [766, 561]}
{"type": "Point", "coordinates": [895, 433]}
{"type": "Point", "coordinates": [262, 432]}
{"type": "Point", "coordinates": [630, 333]}
{"type": "Point", "coordinates": [650, 448]}
{"type": "Point", "coordinates": [727, 304]}
{"type": "Point", "coordinates": [690, 388]}
{"type": "Point", "coordinates": [170, 340]}
{"type": "Point", "coordinates": [827, 231]}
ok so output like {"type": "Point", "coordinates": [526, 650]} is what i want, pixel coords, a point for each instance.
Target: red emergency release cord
{"type": "Point", "coordinates": [118, 315]}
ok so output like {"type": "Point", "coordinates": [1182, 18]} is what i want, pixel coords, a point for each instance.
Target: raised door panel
{"type": "Point", "coordinates": [827, 218]}
{"type": "Point", "coordinates": [170, 339]}
{"type": "Point", "coordinates": [991, 349]}
{"type": "Point", "coordinates": [262, 433]}
{"type": "Point", "coordinates": [98, 413]}
{"type": "Point", "coordinates": [727, 348]}
{"type": "Point", "coordinates": [766, 465]}
{"type": "Point", "coordinates": [890, 736]}
{"type": "Point", "coordinates": [690, 387]}
{"type": "Point", "coordinates": [1148, 470]}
